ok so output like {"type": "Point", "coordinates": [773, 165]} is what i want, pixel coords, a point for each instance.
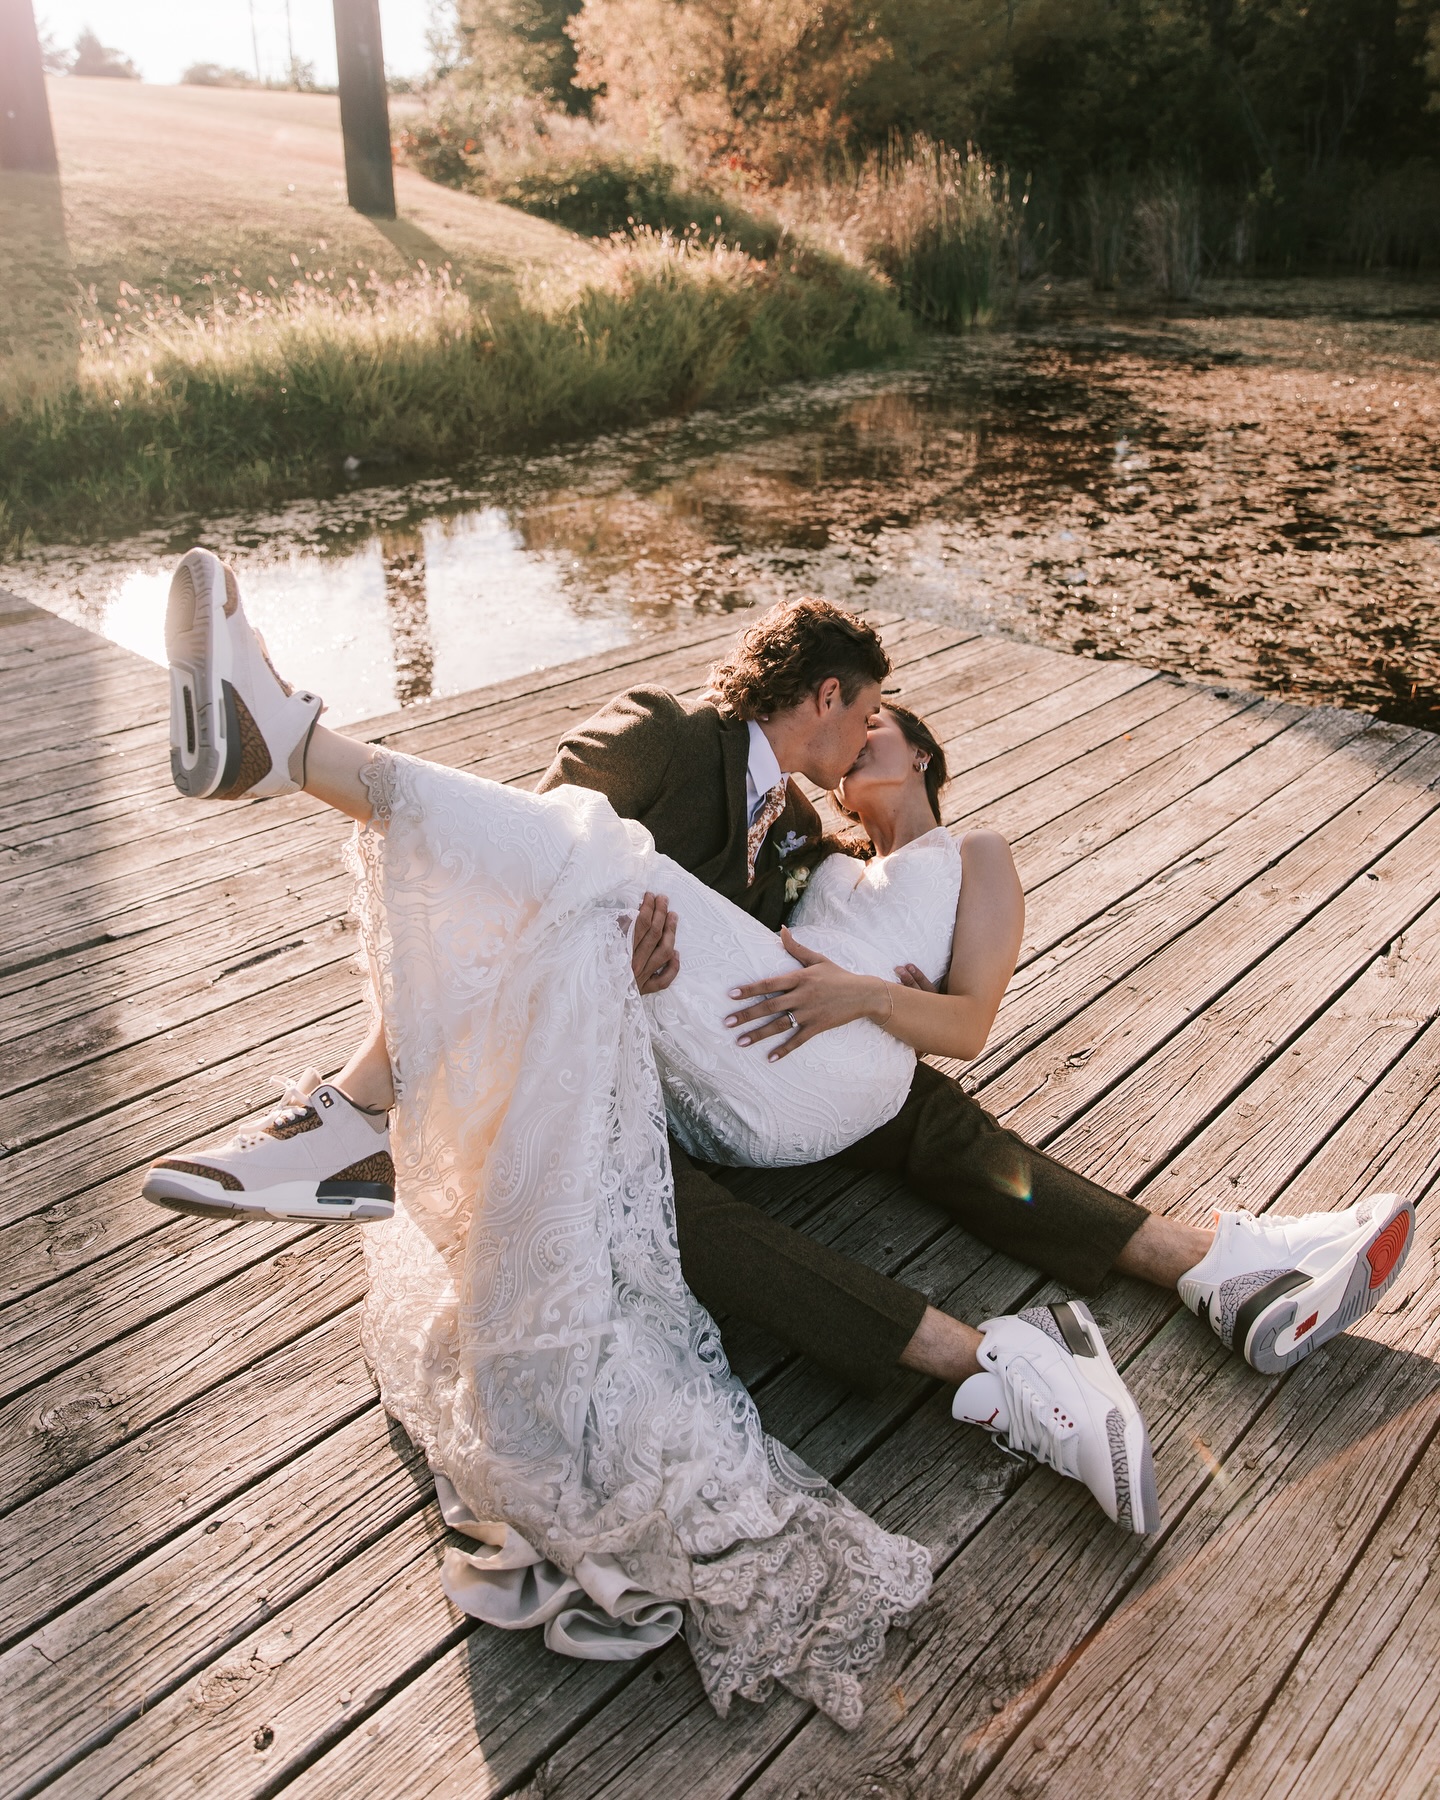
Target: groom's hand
{"type": "Point", "coordinates": [653, 956]}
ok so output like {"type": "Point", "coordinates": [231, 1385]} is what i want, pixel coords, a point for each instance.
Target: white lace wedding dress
{"type": "Point", "coordinates": [526, 1317]}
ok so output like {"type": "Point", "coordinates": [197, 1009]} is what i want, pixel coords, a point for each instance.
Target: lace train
{"type": "Point", "coordinates": [526, 1316]}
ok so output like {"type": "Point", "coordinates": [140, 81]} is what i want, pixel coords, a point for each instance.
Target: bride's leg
{"type": "Point", "coordinates": [335, 768]}
{"type": "Point", "coordinates": [367, 1078]}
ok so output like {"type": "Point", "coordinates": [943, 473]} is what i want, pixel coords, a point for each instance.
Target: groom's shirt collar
{"type": "Point", "coordinates": [762, 772]}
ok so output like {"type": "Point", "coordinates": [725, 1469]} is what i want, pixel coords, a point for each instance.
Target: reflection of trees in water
{"type": "Point", "coordinates": [403, 556]}
{"type": "Point", "coordinates": [39, 320]}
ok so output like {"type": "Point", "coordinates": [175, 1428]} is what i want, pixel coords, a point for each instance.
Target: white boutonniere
{"type": "Point", "coordinates": [790, 843]}
{"type": "Point", "coordinates": [795, 882]}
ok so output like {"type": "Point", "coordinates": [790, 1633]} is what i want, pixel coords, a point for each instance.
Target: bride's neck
{"type": "Point", "coordinates": [888, 827]}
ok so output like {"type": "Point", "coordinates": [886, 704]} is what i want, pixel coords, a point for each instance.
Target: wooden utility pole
{"type": "Point", "coordinates": [364, 108]}
{"type": "Point", "coordinates": [26, 140]}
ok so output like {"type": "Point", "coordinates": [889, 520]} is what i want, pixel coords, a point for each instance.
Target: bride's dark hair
{"type": "Point", "coordinates": [923, 741]}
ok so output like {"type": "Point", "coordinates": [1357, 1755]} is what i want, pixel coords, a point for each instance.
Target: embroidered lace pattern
{"type": "Point", "coordinates": [526, 1316]}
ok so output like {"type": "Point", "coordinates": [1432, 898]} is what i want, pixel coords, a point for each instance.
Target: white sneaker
{"type": "Point", "coordinates": [235, 726]}
{"type": "Point", "coordinates": [319, 1156]}
{"type": "Point", "coordinates": [1048, 1389]}
{"type": "Point", "coordinates": [1275, 1288]}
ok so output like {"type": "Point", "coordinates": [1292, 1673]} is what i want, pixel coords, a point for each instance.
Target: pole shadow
{"type": "Point", "coordinates": [39, 298]}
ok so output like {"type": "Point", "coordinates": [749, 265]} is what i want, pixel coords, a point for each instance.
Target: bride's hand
{"type": "Point", "coordinates": [806, 1001]}
{"type": "Point", "coordinates": [909, 976]}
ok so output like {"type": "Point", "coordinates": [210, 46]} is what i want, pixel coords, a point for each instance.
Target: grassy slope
{"type": "Point", "coordinates": [162, 187]}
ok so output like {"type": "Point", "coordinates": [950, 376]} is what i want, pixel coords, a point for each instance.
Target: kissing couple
{"type": "Point", "coordinates": [589, 1003]}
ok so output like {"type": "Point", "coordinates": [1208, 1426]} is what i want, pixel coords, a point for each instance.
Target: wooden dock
{"type": "Point", "coordinates": [219, 1565]}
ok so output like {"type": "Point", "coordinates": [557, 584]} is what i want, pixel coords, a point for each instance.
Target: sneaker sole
{"type": "Point", "coordinates": [1280, 1326]}
{"type": "Point", "coordinates": [332, 1202]}
{"type": "Point", "coordinates": [217, 752]}
{"type": "Point", "coordinates": [1131, 1461]}
{"type": "Point", "coordinates": [194, 646]}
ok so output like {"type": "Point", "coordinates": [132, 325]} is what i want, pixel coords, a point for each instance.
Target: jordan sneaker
{"type": "Point", "coordinates": [1275, 1288]}
{"type": "Point", "coordinates": [318, 1156]}
{"type": "Point", "coordinates": [235, 727]}
{"type": "Point", "coordinates": [1047, 1389]}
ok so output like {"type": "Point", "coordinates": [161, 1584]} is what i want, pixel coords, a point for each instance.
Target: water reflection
{"type": "Point", "coordinates": [1249, 499]}
{"type": "Point", "coordinates": [402, 555]}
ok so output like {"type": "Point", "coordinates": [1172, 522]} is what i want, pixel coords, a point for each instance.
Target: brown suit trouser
{"type": "Point", "coordinates": [852, 1320]}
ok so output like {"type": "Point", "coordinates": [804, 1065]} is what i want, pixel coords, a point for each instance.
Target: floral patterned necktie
{"type": "Point", "coordinates": [770, 810]}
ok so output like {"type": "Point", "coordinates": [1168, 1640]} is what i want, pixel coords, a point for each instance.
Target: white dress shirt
{"type": "Point", "coordinates": [762, 772]}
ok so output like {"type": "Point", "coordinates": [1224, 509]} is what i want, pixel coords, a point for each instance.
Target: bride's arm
{"type": "Point", "coordinates": [989, 925]}
{"type": "Point", "coordinates": [956, 1023]}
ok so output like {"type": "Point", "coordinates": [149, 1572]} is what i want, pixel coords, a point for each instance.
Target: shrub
{"type": "Point", "coordinates": [580, 182]}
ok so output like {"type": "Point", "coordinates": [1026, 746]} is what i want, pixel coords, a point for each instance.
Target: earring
{"type": "Point", "coordinates": [922, 765]}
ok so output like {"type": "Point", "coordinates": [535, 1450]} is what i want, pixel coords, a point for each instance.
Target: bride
{"type": "Point", "coordinates": [526, 1318]}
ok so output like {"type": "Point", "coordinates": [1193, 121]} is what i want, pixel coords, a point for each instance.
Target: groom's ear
{"type": "Point", "coordinates": [828, 694]}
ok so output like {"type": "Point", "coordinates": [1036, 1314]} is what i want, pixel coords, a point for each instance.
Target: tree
{"type": "Point", "coordinates": [753, 83]}
{"type": "Point", "coordinates": [94, 58]}
{"type": "Point", "coordinates": [213, 75]}
{"type": "Point", "coordinates": [512, 48]}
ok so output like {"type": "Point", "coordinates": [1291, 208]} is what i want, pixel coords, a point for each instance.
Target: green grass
{"type": "Point", "coordinates": [270, 394]}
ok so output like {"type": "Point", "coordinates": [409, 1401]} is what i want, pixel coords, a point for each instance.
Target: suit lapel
{"type": "Point", "coordinates": [726, 872]}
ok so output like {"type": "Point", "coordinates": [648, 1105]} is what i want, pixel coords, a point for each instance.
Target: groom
{"type": "Point", "coordinates": [714, 785]}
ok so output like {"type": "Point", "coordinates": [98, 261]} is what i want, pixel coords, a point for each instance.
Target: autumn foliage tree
{"type": "Point", "coordinates": [760, 85]}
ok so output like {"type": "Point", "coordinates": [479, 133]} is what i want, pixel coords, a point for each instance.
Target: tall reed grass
{"type": "Point", "coordinates": [273, 393]}
{"type": "Point", "coordinates": [941, 224]}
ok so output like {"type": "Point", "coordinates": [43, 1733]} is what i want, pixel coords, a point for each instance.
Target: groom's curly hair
{"type": "Point", "coordinates": [787, 654]}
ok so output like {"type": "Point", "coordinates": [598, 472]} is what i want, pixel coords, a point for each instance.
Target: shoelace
{"type": "Point", "coordinates": [1031, 1431]}
{"type": "Point", "coordinates": [293, 1102]}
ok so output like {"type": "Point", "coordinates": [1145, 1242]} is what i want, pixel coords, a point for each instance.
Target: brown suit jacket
{"type": "Point", "coordinates": [680, 770]}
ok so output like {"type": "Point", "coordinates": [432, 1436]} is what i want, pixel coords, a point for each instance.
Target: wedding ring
{"type": "Point", "coordinates": [794, 1022]}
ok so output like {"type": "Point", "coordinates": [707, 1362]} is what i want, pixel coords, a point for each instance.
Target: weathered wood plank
{"type": "Point", "coordinates": [1090, 1047]}
{"type": "Point", "coordinates": [1151, 763]}
{"type": "Point", "coordinates": [1002, 1628]}
{"type": "Point", "coordinates": [90, 1091]}
{"type": "Point", "coordinates": [117, 1393]}
{"type": "Point", "coordinates": [85, 1674]}
{"type": "Point", "coordinates": [245, 1722]}
{"type": "Point", "coordinates": [178, 1471]}
{"type": "Point", "coordinates": [1182, 1085]}
{"type": "Point", "coordinates": [1359, 1715]}
{"type": "Point", "coordinates": [66, 1194]}
{"type": "Point", "coordinates": [1181, 1672]}
{"type": "Point", "coordinates": [1156, 848]}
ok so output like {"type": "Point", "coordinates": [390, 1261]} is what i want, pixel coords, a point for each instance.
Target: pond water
{"type": "Point", "coordinates": [1247, 493]}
